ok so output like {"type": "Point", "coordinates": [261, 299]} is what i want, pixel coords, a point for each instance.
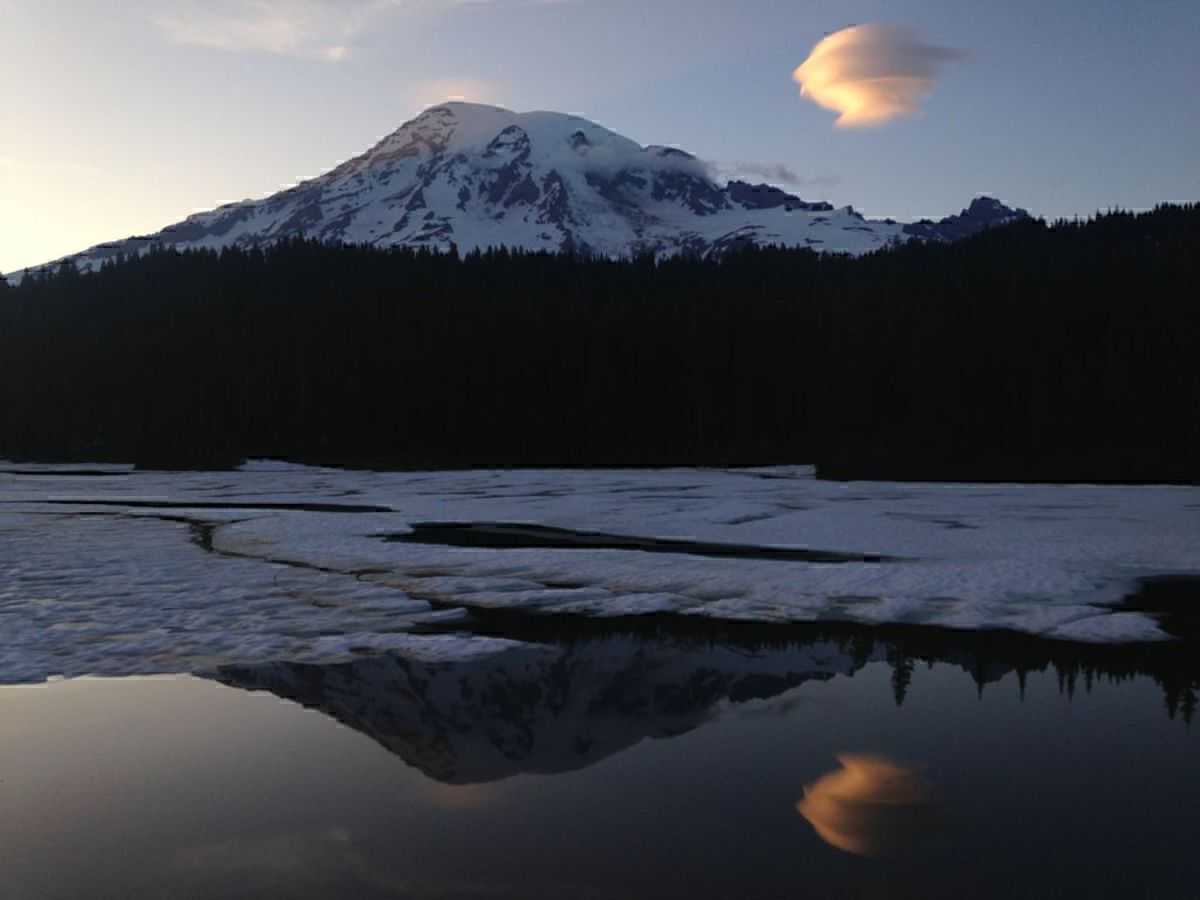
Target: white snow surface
{"type": "Point", "coordinates": [90, 587]}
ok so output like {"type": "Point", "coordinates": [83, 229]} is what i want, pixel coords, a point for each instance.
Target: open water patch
{"type": "Point", "coordinates": [144, 503]}
{"type": "Point", "coordinates": [607, 766]}
{"type": "Point", "coordinates": [519, 536]}
{"type": "Point", "coordinates": [65, 473]}
{"type": "Point", "coordinates": [1173, 601]}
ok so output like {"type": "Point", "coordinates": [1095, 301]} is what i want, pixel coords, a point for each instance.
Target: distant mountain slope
{"type": "Point", "coordinates": [473, 177]}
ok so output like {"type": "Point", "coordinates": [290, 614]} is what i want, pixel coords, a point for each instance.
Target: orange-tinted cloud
{"type": "Point", "coordinates": [872, 74]}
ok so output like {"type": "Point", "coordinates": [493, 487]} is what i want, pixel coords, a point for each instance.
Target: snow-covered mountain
{"type": "Point", "coordinates": [473, 176]}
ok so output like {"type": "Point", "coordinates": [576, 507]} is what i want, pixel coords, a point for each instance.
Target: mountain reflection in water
{"type": "Point", "coordinates": [574, 694]}
{"type": "Point", "coordinates": [608, 761]}
{"type": "Point", "coordinates": [538, 708]}
{"type": "Point", "coordinates": [871, 806]}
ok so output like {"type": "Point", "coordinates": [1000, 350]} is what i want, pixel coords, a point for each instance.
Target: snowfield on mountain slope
{"type": "Point", "coordinates": [117, 574]}
{"type": "Point", "coordinates": [472, 177]}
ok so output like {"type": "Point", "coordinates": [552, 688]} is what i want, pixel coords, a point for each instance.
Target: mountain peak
{"type": "Point", "coordinates": [474, 176]}
{"type": "Point", "coordinates": [984, 202]}
{"type": "Point", "coordinates": [983, 212]}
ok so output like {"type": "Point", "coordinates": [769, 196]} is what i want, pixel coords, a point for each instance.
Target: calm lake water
{"type": "Point", "coordinates": [609, 763]}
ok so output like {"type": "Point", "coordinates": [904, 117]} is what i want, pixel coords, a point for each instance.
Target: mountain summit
{"type": "Point", "coordinates": [470, 176]}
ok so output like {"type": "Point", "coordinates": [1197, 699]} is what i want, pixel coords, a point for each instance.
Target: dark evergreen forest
{"type": "Point", "coordinates": [1064, 352]}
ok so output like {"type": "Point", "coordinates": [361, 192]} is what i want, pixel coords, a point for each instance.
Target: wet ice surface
{"type": "Point", "coordinates": [290, 562]}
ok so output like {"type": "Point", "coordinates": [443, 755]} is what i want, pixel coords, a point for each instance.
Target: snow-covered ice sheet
{"type": "Point", "coordinates": [100, 587]}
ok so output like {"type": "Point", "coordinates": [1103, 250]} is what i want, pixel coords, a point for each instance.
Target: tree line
{"type": "Point", "coordinates": [1053, 352]}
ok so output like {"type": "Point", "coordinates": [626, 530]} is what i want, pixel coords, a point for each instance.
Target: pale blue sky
{"type": "Point", "coordinates": [123, 117]}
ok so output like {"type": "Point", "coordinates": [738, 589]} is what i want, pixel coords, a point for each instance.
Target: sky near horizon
{"type": "Point", "coordinates": [120, 118]}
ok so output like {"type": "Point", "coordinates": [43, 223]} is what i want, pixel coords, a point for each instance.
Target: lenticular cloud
{"type": "Point", "coordinates": [872, 74]}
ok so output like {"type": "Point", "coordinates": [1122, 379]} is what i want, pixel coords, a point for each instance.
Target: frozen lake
{"type": "Point", "coordinates": [108, 571]}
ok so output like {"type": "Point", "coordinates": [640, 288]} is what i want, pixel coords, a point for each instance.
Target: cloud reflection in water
{"type": "Point", "coordinates": [871, 806]}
